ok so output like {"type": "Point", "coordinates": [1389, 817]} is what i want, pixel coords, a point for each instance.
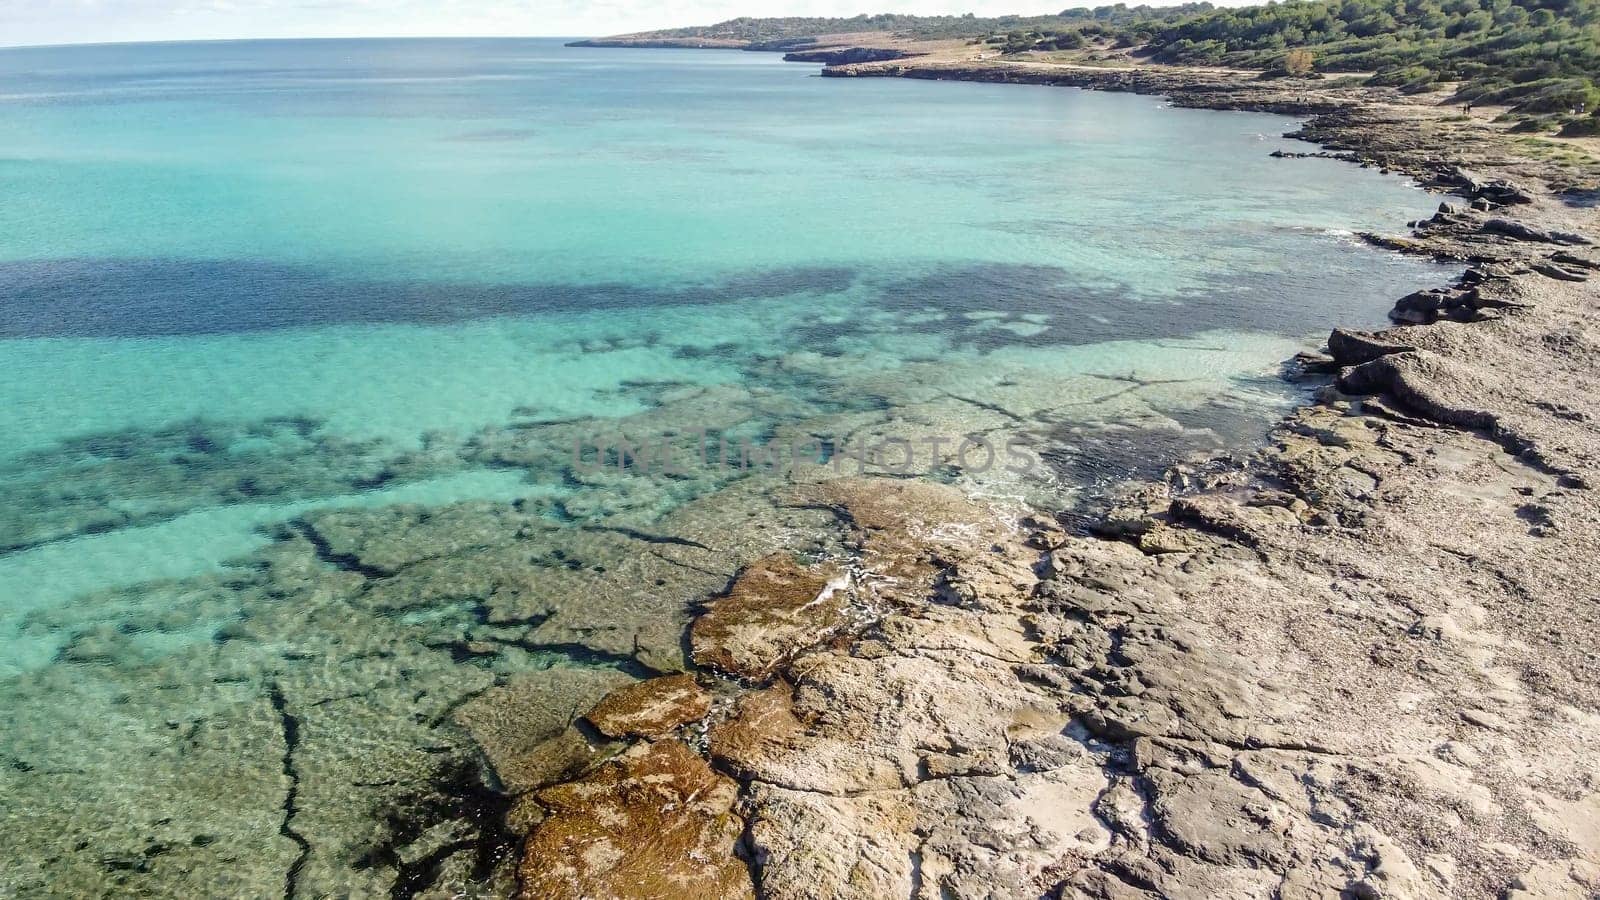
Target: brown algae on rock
{"type": "Point", "coordinates": [775, 608]}
{"type": "Point", "coordinates": [656, 822]}
{"type": "Point", "coordinates": [650, 709]}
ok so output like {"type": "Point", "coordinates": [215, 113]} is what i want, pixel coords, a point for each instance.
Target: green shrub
{"type": "Point", "coordinates": [1589, 127]}
{"type": "Point", "coordinates": [1539, 56]}
{"type": "Point", "coordinates": [1406, 76]}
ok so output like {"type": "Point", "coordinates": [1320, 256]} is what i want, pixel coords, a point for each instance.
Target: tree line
{"type": "Point", "coordinates": [1541, 58]}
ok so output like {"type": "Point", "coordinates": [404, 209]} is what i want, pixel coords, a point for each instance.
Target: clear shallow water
{"type": "Point", "coordinates": [242, 285]}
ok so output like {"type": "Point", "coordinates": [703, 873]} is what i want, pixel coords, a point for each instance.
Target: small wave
{"type": "Point", "coordinates": [1324, 231]}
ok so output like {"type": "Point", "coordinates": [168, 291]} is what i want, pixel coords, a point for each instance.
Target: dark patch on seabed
{"type": "Point", "coordinates": [104, 298]}
{"type": "Point", "coordinates": [105, 481]}
{"type": "Point", "coordinates": [1072, 312]}
{"type": "Point", "coordinates": [175, 297]}
{"type": "Point", "coordinates": [459, 793]}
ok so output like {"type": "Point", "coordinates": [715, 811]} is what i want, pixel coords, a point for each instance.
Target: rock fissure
{"type": "Point", "coordinates": [289, 728]}
{"type": "Point", "coordinates": [647, 537]}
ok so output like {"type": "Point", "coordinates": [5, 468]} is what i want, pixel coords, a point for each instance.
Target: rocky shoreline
{"type": "Point", "coordinates": [1357, 662]}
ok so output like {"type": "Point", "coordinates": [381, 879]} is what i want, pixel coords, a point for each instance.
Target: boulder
{"type": "Point", "coordinates": [650, 709]}
{"type": "Point", "coordinates": [1421, 307]}
{"type": "Point", "coordinates": [1521, 232]}
{"type": "Point", "coordinates": [1551, 270]}
{"type": "Point", "coordinates": [656, 822]}
{"type": "Point", "coordinates": [1352, 348]}
{"type": "Point", "coordinates": [775, 608]}
{"type": "Point", "coordinates": [1495, 191]}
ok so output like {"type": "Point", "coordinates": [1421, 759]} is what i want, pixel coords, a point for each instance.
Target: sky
{"type": "Point", "coordinates": [25, 22]}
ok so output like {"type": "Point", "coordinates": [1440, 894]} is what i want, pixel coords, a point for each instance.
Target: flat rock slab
{"type": "Point", "coordinates": [650, 709]}
{"type": "Point", "coordinates": [775, 609]}
{"type": "Point", "coordinates": [655, 823]}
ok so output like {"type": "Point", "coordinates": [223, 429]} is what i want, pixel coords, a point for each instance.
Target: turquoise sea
{"type": "Point", "coordinates": [298, 338]}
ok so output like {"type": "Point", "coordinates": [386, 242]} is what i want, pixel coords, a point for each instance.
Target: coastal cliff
{"type": "Point", "coordinates": [843, 56]}
{"type": "Point", "coordinates": [1354, 662]}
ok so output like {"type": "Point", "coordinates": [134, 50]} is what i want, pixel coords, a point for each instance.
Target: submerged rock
{"type": "Point", "coordinates": [99, 483]}
{"type": "Point", "coordinates": [517, 724]}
